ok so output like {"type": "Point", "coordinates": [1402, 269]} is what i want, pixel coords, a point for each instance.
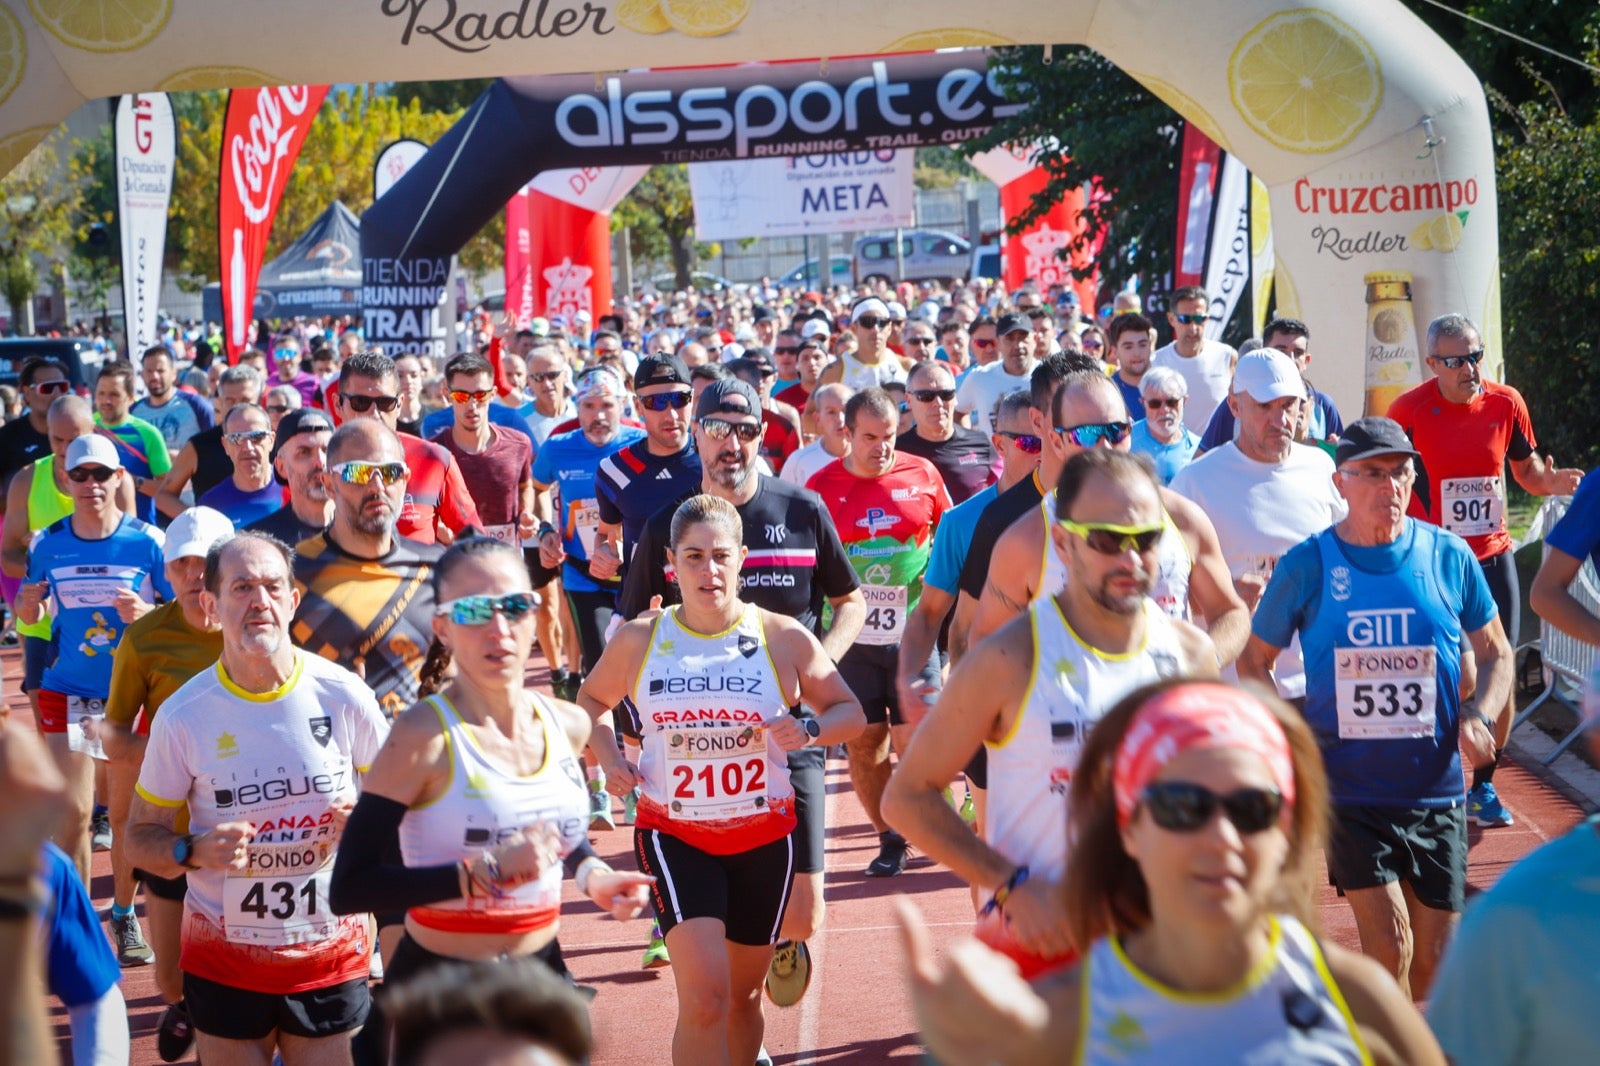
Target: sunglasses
{"type": "Point", "coordinates": [363, 404]}
{"type": "Point", "coordinates": [249, 436]}
{"type": "Point", "coordinates": [49, 388]}
{"type": "Point", "coordinates": [278, 408]}
{"type": "Point", "coordinates": [1090, 435]}
{"type": "Point", "coordinates": [1180, 807]}
{"type": "Point", "coordinates": [1172, 402]}
{"type": "Point", "coordinates": [285, 353]}
{"type": "Point", "coordinates": [1027, 443]}
{"type": "Point", "coordinates": [547, 375]}
{"type": "Point", "coordinates": [873, 322]}
{"type": "Point", "coordinates": [1091, 346]}
{"type": "Point", "coordinates": [663, 400]}
{"type": "Point", "coordinates": [479, 396]}
{"type": "Point", "coordinates": [919, 341]}
{"type": "Point", "coordinates": [362, 471]}
{"type": "Point", "coordinates": [978, 342]}
{"type": "Point", "coordinates": [1456, 362]}
{"type": "Point", "coordinates": [1190, 320]}
{"type": "Point", "coordinates": [930, 395]}
{"type": "Point", "coordinates": [478, 610]}
{"type": "Point", "coordinates": [82, 474]}
{"type": "Point", "coordinates": [1110, 539]}
{"type": "Point", "coordinates": [718, 429]}
{"type": "Point", "coordinates": [787, 351]}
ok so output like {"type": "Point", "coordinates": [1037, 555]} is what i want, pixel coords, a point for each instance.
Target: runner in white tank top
{"type": "Point", "coordinates": [859, 375]}
{"type": "Point", "coordinates": [1197, 814]}
{"type": "Point", "coordinates": [715, 686]}
{"type": "Point", "coordinates": [1031, 694]}
{"type": "Point", "coordinates": [1171, 588]}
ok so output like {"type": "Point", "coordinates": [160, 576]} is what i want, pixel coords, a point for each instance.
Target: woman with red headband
{"type": "Point", "coordinates": [1198, 812]}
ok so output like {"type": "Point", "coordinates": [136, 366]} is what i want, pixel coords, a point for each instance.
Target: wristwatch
{"type": "Point", "coordinates": [813, 730]}
{"type": "Point", "coordinates": [182, 852]}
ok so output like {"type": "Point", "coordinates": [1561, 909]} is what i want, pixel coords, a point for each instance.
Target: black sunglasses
{"type": "Point", "coordinates": [1180, 807]}
{"type": "Point", "coordinates": [363, 404]}
{"type": "Point", "coordinates": [873, 322]}
{"type": "Point", "coordinates": [81, 474]}
{"type": "Point", "coordinates": [930, 395]}
{"type": "Point", "coordinates": [718, 429]}
{"type": "Point", "coordinates": [662, 400]}
{"type": "Point", "coordinates": [1456, 362]}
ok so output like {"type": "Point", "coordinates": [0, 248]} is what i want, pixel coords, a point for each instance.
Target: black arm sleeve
{"type": "Point", "coordinates": [575, 857]}
{"type": "Point", "coordinates": [365, 876]}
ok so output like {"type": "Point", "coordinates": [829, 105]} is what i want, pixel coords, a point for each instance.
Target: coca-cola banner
{"type": "Point", "coordinates": [261, 140]}
{"type": "Point", "coordinates": [146, 149]}
{"type": "Point", "coordinates": [538, 124]}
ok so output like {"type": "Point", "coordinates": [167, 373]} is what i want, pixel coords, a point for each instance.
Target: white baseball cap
{"type": "Point", "coordinates": [194, 532]}
{"type": "Point", "coordinates": [814, 328]}
{"type": "Point", "coordinates": [93, 448]}
{"type": "Point", "coordinates": [1267, 375]}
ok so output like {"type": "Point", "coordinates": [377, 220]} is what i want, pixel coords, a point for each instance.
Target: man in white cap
{"type": "Point", "coordinates": [1263, 492]}
{"type": "Point", "coordinates": [100, 569]}
{"type": "Point", "coordinates": [872, 363]}
{"type": "Point", "coordinates": [157, 655]}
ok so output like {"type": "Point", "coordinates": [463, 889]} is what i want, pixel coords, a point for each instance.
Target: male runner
{"type": "Point", "coordinates": [203, 462]}
{"type": "Point", "coordinates": [1207, 365]}
{"type": "Point", "coordinates": [872, 363]}
{"type": "Point", "coordinates": [252, 492]}
{"type": "Point", "coordinates": [1381, 603]}
{"type": "Point", "coordinates": [99, 568]}
{"type": "Point", "coordinates": [1466, 430]}
{"type": "Point", "coordinates": [495, 460]}
{"type": "Point", "coordinates": [983, 387]}
{"type": "Point", "coordinates": [264, 750]}
{"type": "Point", "coordinates": [143, 449]}
{"type": "Point", "coordinates": [299, 456]}
{"type": "Point", "coordinates": [157, 655]}
{"type": "Point", "coordinates": [964, 457]}
{"type": "Point", "coordinates": [1029, 696]}
{"type": "Point", "coordinates": [886, 506]}
{"type": "Point", "coordinates": [795, 565]}
{"type": "Point", "coordinates": [179, 415]}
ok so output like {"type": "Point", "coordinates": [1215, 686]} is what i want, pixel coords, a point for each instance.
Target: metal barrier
{"type": "Point", "coordinates": [1567, 660]}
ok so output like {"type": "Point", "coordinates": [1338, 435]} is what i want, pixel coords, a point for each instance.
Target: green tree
{"type": "Point", "coordinates": [659, 217]}
{"type": "Point", "coordinates": [39, 201]}
{"type": "Point", "coordinates": [439, 95]}
{"type": "Point", "coordinates": [942, 168]}
{"type": "Point", "coordinates": [1097, 123]}
{"type": "Point", "coordinates": [1550, 258]}
{"type": "Point", "coordinates": [95, 263]}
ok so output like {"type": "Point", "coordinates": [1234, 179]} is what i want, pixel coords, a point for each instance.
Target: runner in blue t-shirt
{"type": "Point", "coordinates": [1574, 541]}
{"type": "Point", "coordinates": [100, 570]}
{"type": "Point", "coordinates": [80, 969]}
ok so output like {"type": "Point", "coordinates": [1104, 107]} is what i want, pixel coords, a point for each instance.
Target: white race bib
{"type": "Point", "coordinates": [886, 614]}
{"type": "Point", "coordinates": [583, 518]}
{"type": "Point", "coordinates": [85, 719]}
{"type": "Point", "coordinates": [504, 534]}
{"type": "Point", "coordinates": [281, 898]}
{"type": "Point", "coordinates": [1472, 506]}
{"type": "Point", "coordinates": [1385, 693]}
{"type": "Point", "coordinates": [716, 772]}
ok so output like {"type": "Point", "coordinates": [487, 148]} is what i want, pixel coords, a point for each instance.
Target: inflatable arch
{"type": "Point", "coordinates": [1370, 133]}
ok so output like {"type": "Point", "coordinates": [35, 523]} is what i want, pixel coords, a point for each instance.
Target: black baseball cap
{"type": "Point", "coordinates": [301, 420]}
{"type": "Point", "coordinates": [762, 313]}
{"type": "Point", "coordinates": [1013, 322]}
{"type": "Point", "coordinates": [728, 396]}
{"type": "Point", "coordinates": [661, 370]}
{"type": "Point", "coordinates": [1367, 438]}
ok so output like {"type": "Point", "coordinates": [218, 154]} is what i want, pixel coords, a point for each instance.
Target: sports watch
{"type": "Point", "coordinates": [183, 851]}
{"type": "Point", "coordinates": [813, 730]}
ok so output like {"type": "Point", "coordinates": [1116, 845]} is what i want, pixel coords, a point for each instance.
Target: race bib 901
{"type": "Point", "coordinates": [1472, 506]}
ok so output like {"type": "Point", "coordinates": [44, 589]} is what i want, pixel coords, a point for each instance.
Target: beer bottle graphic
{"type": "Point", "coordinates": [1393, 362]}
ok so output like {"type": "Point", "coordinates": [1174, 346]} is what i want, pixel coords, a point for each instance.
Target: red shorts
{"type": "Point", "coordinates": [53, 711]}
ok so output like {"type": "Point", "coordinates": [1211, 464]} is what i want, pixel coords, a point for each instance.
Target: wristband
{"type": "Point", "coordinates": [1480, 716]}
{"type": "Point", "coordinates": [22, 900]}
{"type": "Point", "coordinates": [543, 529]}
{"type": "Point", "coordinates": [587, 869]}
{"type": "Point", "coordinates": [1003, 893]}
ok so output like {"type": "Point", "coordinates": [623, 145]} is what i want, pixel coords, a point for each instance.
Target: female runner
{"type": "Point", "coordinates": [479, 787]}
{"type": "Point", "coordinates": [715, 685]}
{"type": "Point", "coordinates": [1198, 813]}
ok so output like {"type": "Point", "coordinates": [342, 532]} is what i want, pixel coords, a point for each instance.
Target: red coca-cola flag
{"type": "Point", "coordinates": [261, 140]}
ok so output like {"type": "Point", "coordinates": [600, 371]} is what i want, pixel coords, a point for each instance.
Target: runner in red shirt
{"type": "Point", "coordinates": [886, 506]}
{"type": "Point", "coordinates": [496, 462]}
{"type": "Point", "coordinates": [1467, 429]}
{"type": "Point", "coordinates": [437, 505]}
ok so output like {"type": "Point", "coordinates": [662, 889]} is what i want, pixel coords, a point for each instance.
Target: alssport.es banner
{"type": "Point", "coordinates": [261, 140]}
{"type": "Point", "coordinates": [146, 152]}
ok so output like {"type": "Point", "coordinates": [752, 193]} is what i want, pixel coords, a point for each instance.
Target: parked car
{"type": "Point", "coordinates": [79, 356]}
{"type": "Point", "coordinates": [986, 262]}
{"type": "Point", "coordinates": [699, 279]}
{"type": "Point", "coordinates": [808, 275]}
{"type": "Point", "coordinates": [925, 255]}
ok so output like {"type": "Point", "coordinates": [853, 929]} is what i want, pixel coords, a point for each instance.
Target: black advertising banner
{"type": "Point", "coordinates": [522, 126]}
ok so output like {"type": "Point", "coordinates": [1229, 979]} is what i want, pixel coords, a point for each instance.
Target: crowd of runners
{"type": "Point", "coordinates": [1139, 639]}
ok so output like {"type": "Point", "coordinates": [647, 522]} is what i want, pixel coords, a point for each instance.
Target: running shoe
{"type": "Point", "coordinates": [131, 947]}
{"type": "Point", "coordinates": [790, 973]}
{"type": "Point", "coordinates": [763, 1057]}
{"type": "Point", "coordinates": [949, 795]}
{"type": "Point", "coordinates": [1484, 807]}
{"type": "Point", "coordinates": [891, 860]}
{"type": "Point", "coordinates": [100, 831]}
{"type": "Point", "coordinates": [655, 955]}
{"type": "Point", "coordinates": [600, 805]}
{"type": "Point", "coordinates": [969, 813]}
{"type": "Point", "coordinates": [175, 1035]}
{"type": "Point", "coordinates": [630, 807]}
